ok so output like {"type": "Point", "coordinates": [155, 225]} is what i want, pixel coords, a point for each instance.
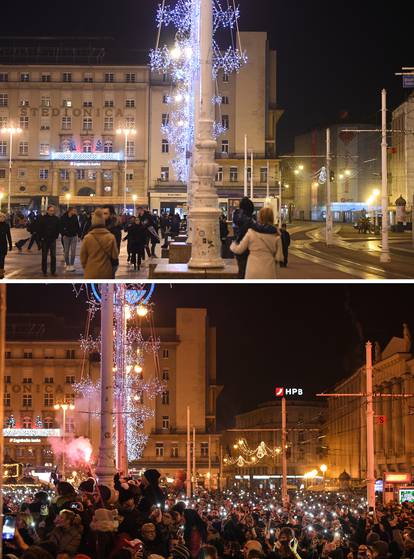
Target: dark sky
{"type": "Point", "coordinates": [308, 336]}
{"type": "Point", "coordinates": [334, 55]}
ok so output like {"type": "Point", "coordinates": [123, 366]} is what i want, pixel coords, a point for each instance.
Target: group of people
{"type": "Point", "coordinates": [259, 245]}
{"type": "Point", "coordinates": [139, 519]}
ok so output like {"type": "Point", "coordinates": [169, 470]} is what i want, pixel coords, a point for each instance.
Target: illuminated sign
{"type": "Point", "coordinates": [23, 440]}
{"type": "Point", "coordinates": [406, 495]}
{"type": "Point", "coordinates": [380, 419]}
{"type": "Point", "coordinates": [281, 392]}
{"type": "Point", "coordinates": [29, 433]}
{"type": "Point", "coordinates": [85, 163]}
{"type": "Point", "coordinates": [80, 156]}
{"type": "Point", "coordinates": [392, 477]}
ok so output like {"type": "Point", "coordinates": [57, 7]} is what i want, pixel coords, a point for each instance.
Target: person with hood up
{"type": "Point", "coordinates": [264, 246]}
{"type": "Point", "coordinates": [242, 221]}
{"type": "Point", "coordinates": [99, 253]}
{"type": "Point", "coordinates": [152, 494]}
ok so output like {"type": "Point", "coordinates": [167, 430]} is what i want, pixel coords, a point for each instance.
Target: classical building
{"type": "Point", "coordinates": [346, 426]}
{"type": "Point", "coordinates": [69, 102]}
{"type": "Point", "coordinates": [44, 361]}
{"type": "Point", "coordinates": [355, 172]}
{"type": "Point", "coordinates": [305, 439]}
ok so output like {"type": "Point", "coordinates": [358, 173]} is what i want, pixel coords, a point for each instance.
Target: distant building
{"type": "Point", "coordinates": [355, 172]}
{"type": "Point", "coordinates": [394, 438]}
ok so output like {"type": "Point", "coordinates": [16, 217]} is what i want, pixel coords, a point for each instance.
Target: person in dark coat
{"type": "Point", "coordinates": [152, 235]}
{"type": "Point", "coordinates": [70, 231]}
{"type": "Point", "coordinates": [242, 221]}
{"type": "Point", "coordinates": [285, 237]}
{"type": "Point", "coordinates": [224, 233]}
{"type": "Point", "coordinates": [113, 224]}
{"type": "Point", "coordinates": [49, 229]}
{"type": "Point", "coordinates": [32, 228]}
{"type": "Point", "coordinates": [136, 237]}
{"type": "Point", "coordinates": [5, 242]}
{"type": "Point", "coordinates": [152, 494]}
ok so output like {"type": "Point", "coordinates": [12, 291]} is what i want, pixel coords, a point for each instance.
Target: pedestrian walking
{"type": "Point", "coordinates": [242, 221]}
{"type": "Point", "coordinates": [49, 229]}
{"type": "Point", "coordinates": [136, 238]}
{"type": "Point", "coordinates": [152, 235]}
{"type": "Point", "coordinates": [285, 238]}
{"type": "Point", "coordinates": [99, 252]}
{"type": "Point", "coordinates": [5, 242]}
{"type": "Point", "coordinates": [165, 225]}
{"type": "Point", "coordinates": [224, 233]}
{"type": "Point", "coordinates": [264, 245]}
{"type": "Point", "coordinates": [70, 231]}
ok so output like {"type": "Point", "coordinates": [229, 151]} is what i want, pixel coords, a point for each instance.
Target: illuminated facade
{"type": "Point", "coordinates": [69, 114]}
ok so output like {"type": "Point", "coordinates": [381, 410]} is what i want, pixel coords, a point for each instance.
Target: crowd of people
{"type": "Point", "coordinates": [140, 519]}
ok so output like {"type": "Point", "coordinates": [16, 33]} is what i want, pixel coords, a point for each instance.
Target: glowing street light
{"type": "Point", "coordinates": [67, 197]}
{"type": "Point", "coordinates": [1, 198]}
{"type": "Point", "coordinates": [347, 172]}
{"type": "Point", "coordinates": [134, 199]}
{"type": "Point", "coordinates": [142, 311]}
{"type": "Point", "coordinates": [10, 130]}
{"type": "Point", "coordinates": [323, 468]}
{"type": "Point", "coordinates": [127, 133]}
{"type": "Point", "coordinates": [64, 407]}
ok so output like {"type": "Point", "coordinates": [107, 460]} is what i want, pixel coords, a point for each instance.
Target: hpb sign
{"type": "Point", "coordinates": [281, 392]}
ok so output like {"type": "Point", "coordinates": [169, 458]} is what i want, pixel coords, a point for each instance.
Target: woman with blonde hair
{"type": "Point", "coordinates": [5, 241]}
{"type": "Point", "coordinates": [263, 242]}
{"type": "Point", "coordinates": [99, 251]}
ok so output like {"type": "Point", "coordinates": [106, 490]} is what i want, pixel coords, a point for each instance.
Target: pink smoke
{"type": "Point", "coordinates": [78, 451]}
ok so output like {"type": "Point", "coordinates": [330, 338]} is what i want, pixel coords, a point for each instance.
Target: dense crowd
{"type": "Point", "coordinates": [139, 519]}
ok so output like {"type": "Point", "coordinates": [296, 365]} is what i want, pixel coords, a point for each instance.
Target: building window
{"type": "Point", "coordinates": [108, 123]}
{"type": "Point", "coordinates": [24, 102]}
{"type": "Point", "coordinates": [48, 380]}
{"type": "Point", "coordinates": [165, 146]}
{"type": "Point", "coordinates": [87, 123]}
{"type": "Point", "coordinates": [165, 374]}
{"type": "Point", "coordinates": [219, 176]}
{"type": "Point", "coordinates": [7, 400]}
{"type": "Point", "coordinates": [64, 174]}
{"type": "Point", "coordinates": [27, 380]}
{"type": "Point", "coordinates": [87, 104]}
{"type": "Point", "coordinates": [67, 103]}
{"type": "Point", "coordinates": [159, 450]}
{"type": "Point", "coordinates": [43, 174]}
{"type": "Point", "coordinates": [88, 78]}
{"type": "Point", "coordinates": [70, 379]}
{"type": "Point", "coordinates": [69, 399]}
{"type": "Point", "coordinates": [263, 174]}
{"type": "Point", "coordinates": [70, 425]}
{"type": "Point", "coordinates": [225, 146]}
{"type": "Point", "coordinates": [130, 77]}
{"type": "Point", "coordinates": [67, 76]}
{"type": "Point", "coordinates": [4, 77]}
{"type": "Point", "coordinates": [224, 100]}
{"type": "Point", "coordinates": [91, 175]}
{"type": "Point", "coordinates": [27, 423]}
{"type": "Point", "coordinates": [165, 422]}
{"type": "Point", "coordinates": [87, 146]}
{"type": "Point", "coordinates": [24, 122]}
{"type": "Point", "coordinates": [70, 354]}
{"type": "Point", "coordinates": [109, 103]}
{"type": "Point", "coordinates": [225, 78]}
{"type": "Point", "coordinates": [109, 77]}
{"type": "Point", "coordinates": [165, 99]}
{"type": "Point", "coordinates": [249, 174]}
{"type": "Point", "coordinates": [66, 122]}
{"type": "Point", "coordinates": [233, 174]}
{"type": "Point", "coordinates": [27, 401]}
{"type": "Point", "coordinates": [165, 119]}
{"type": "Point", "coordinates": [130, 122]}
{"type": "Point", "coordinates": [27, 354]}
{"type": "Point", "coordinates": [24, 77]}
{"type": "Point", "coordinates": [2, 173]}
{"type": "Point", "coordinates": [165, 353]}
{"type": "Point", "coordinates": [23, 148]}
{"type": "Point", "coordinates": [3, 147]}
{"type": "Point", "coordinates": [130, 175]}
{"type": "Point", "coordinates": [225, 121]}
{"type": "Point", "coordinates": [7, 379]}
{"type": "Point", "coordinates": [204, 449]}
{"type": "Point", "coordinates": [47, 423]}
{"type": "Point", "coordinates": [130, 103]}
{"type": "Point", "coordinates": [21, 173]}
{"type": "Point", "coordinates": [45, 101]}
{"type": "Point", "coordinates": [44, 149]}
{"type": "Point", "coordinates": [45, 78]}
{"type": "Point", "coordinates": [174, 451]}
{"type": "Point", "coordinates": [165, 398]}
{"type": "Point", "coordinates": [8, 355]}
{"type": "Point", "coordinates": [130, 148]}
{"type": "Point", "coordinates": [48, 399]}
{"type": "Point", "coordinates": [4, 99]}
{"type": "Point", "coordinates": [80, 174]}
{"type": "Point", "coordinates": [165, 174]}
{"type": "Point", "coordinates": [3, 121]}
{"type": "Point", "coordinates": [108, 146]}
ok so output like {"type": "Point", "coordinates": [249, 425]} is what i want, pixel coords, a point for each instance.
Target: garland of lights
{"type": "Point", "coordinates": [250, 456]}
{"type": "Point", "coordinates": [181, 65]}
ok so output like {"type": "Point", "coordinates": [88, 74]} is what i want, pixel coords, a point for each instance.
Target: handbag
{"type": "Point", "coordinates": [114, 261]}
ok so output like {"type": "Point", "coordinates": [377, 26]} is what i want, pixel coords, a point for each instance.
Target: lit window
{"type": "Point", "coordinates": [67, 103]}
{"type": "Point", "coordinates": [24, 102]}
{"type": "Point", "coordinates": [44, 149]}
{"type": "Point", "coordinates": [45, 101]}
{"type": "Point", "coordinates": [165, 174]}
{"type": "Point", "coordinates": [24, 77]}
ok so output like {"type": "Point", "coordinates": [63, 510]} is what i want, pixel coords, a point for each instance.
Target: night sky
{"type": "Point", "coordinates": [334, 55]}
{"type": "Point", "coordinates": [303, 335]}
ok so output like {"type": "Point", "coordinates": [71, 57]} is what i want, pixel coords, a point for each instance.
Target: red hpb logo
{"type": "Point", "coordinates": [279, 392]}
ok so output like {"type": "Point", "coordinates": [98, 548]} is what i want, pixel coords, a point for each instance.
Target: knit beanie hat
{"type": "Point", "coordinates": [109, 496]}
{"type": "Point", "coordinates": [152, 476]}
{"type": "Point", "coordinates": [104, 520]}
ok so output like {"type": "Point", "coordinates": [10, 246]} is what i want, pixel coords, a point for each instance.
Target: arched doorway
{"type": "Point", "coordinates": [85, 191]}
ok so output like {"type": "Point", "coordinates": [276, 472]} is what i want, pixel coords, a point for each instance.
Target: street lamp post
{"type": "Point", "coordinates": [64, 407]}
{"type": "Point", "coordinates": [67, 197]}
{"type": "Point", "coordinates": [11, 130]}
{"type": "Point", "coordinates": [323, 468]}
{"type": "Point", "coordinates": [127, 132]}
{"type": "Point", "coordinates": [1, 199]}
{"type": "Point", "coordinates": [134, 199]}
{"type": "Point", "coordinates": [385, 250]}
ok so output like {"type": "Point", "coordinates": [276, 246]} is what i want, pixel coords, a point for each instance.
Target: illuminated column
{"type": "Point", "coordinates": [99, 182]}
{"type": "Point", "coordinates": [204, 212]}
{"type": "Point", "coordinates": [387, 406]}
{"type": "Point", "coordinates": [72, 185]}
{"type": "Point", "coordinates": [408, 388]}
{"type": "Point", "coordinates": [115, 182]}
{"type": "Point", "coordinates": [397, 410]}
{"type": "Point", "coordinates": [105, 468]}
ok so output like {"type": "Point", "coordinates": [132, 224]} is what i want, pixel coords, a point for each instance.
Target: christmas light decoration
{"type": "Point", "coordinates": [38, 422]}
{"type": "Point", "coordinates": [250, 456]}
{"type": "Point", "coordinates": [181, 65]}
{"type": "Point", "coordinates": [11, 422]}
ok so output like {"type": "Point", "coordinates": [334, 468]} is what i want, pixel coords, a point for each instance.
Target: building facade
{"type": "Point", "coordinates": [346, 426]}
{"type": "Point", "coordinates": [68, 149]}
{"type": "Point", "coordinates": [44, 361]}
{"type": "Point", "coordinates": [305, 439]}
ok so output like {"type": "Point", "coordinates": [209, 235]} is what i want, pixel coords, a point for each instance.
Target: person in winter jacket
{"type": "Point", "coordinates": [49, 229]}
{"type": "Point", "coordinates": [264, 246]}
{"type": "Point", "coordinates": [67, 532]}
{"type": "Point", "coordinates": [5, 242]}
{"type": "Point", "coordinates": [152, 494]}
{"type": "Point", "coordinates": [242, 221]}
{"type": "Point", "coordinates": [99, 252]}
{"type": "Point", "coordinates": [70, 230]}
{"type": "Point", "coordinates": [285, 238]}
{"type": "Point", "coordinates": [113, 224]}
{"type": "Point", "coordinates": [136, 237]}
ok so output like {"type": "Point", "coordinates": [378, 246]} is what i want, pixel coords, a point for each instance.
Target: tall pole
{"type": "Point", "coordinates": [385, 250]}
{"type": "Point", "coordinates": [284, 457]}
{"type": "Point", "coordinates": [370, 430]}
{"type": "Point", "coordinates": [245, 165]}
{"type": "Point", "coordinates": [412, 222]}
{"type": "Point", "coordinates": [125, 170]}
{"type": "Point", "coordinates": [267, 180]}
{"type": "Point", "coordinates": [221, 469]}
{"type": "Point", "coordinates": [209, 462]}
{"type": "Point", "coordinates": [280, 199]}
{"type": "Point", "coordinates": [10, 173]}
{"type": "Point", "coordinates": [251, 176]}
{"type": "Point", "coordinates": [204, 211]}
{"type": "Point", "coordinates": [2, 371]}
{"type": "Point", "coordinates": [106, 459]}
{"type": "Point", "coordinates": [64, 441]}
{"type": "Point", "coordinates": [188, 476]}
{"type": "Point", "coordinates": [328, 189]}
{"type": "Point", "coordinates": [194, 460]}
